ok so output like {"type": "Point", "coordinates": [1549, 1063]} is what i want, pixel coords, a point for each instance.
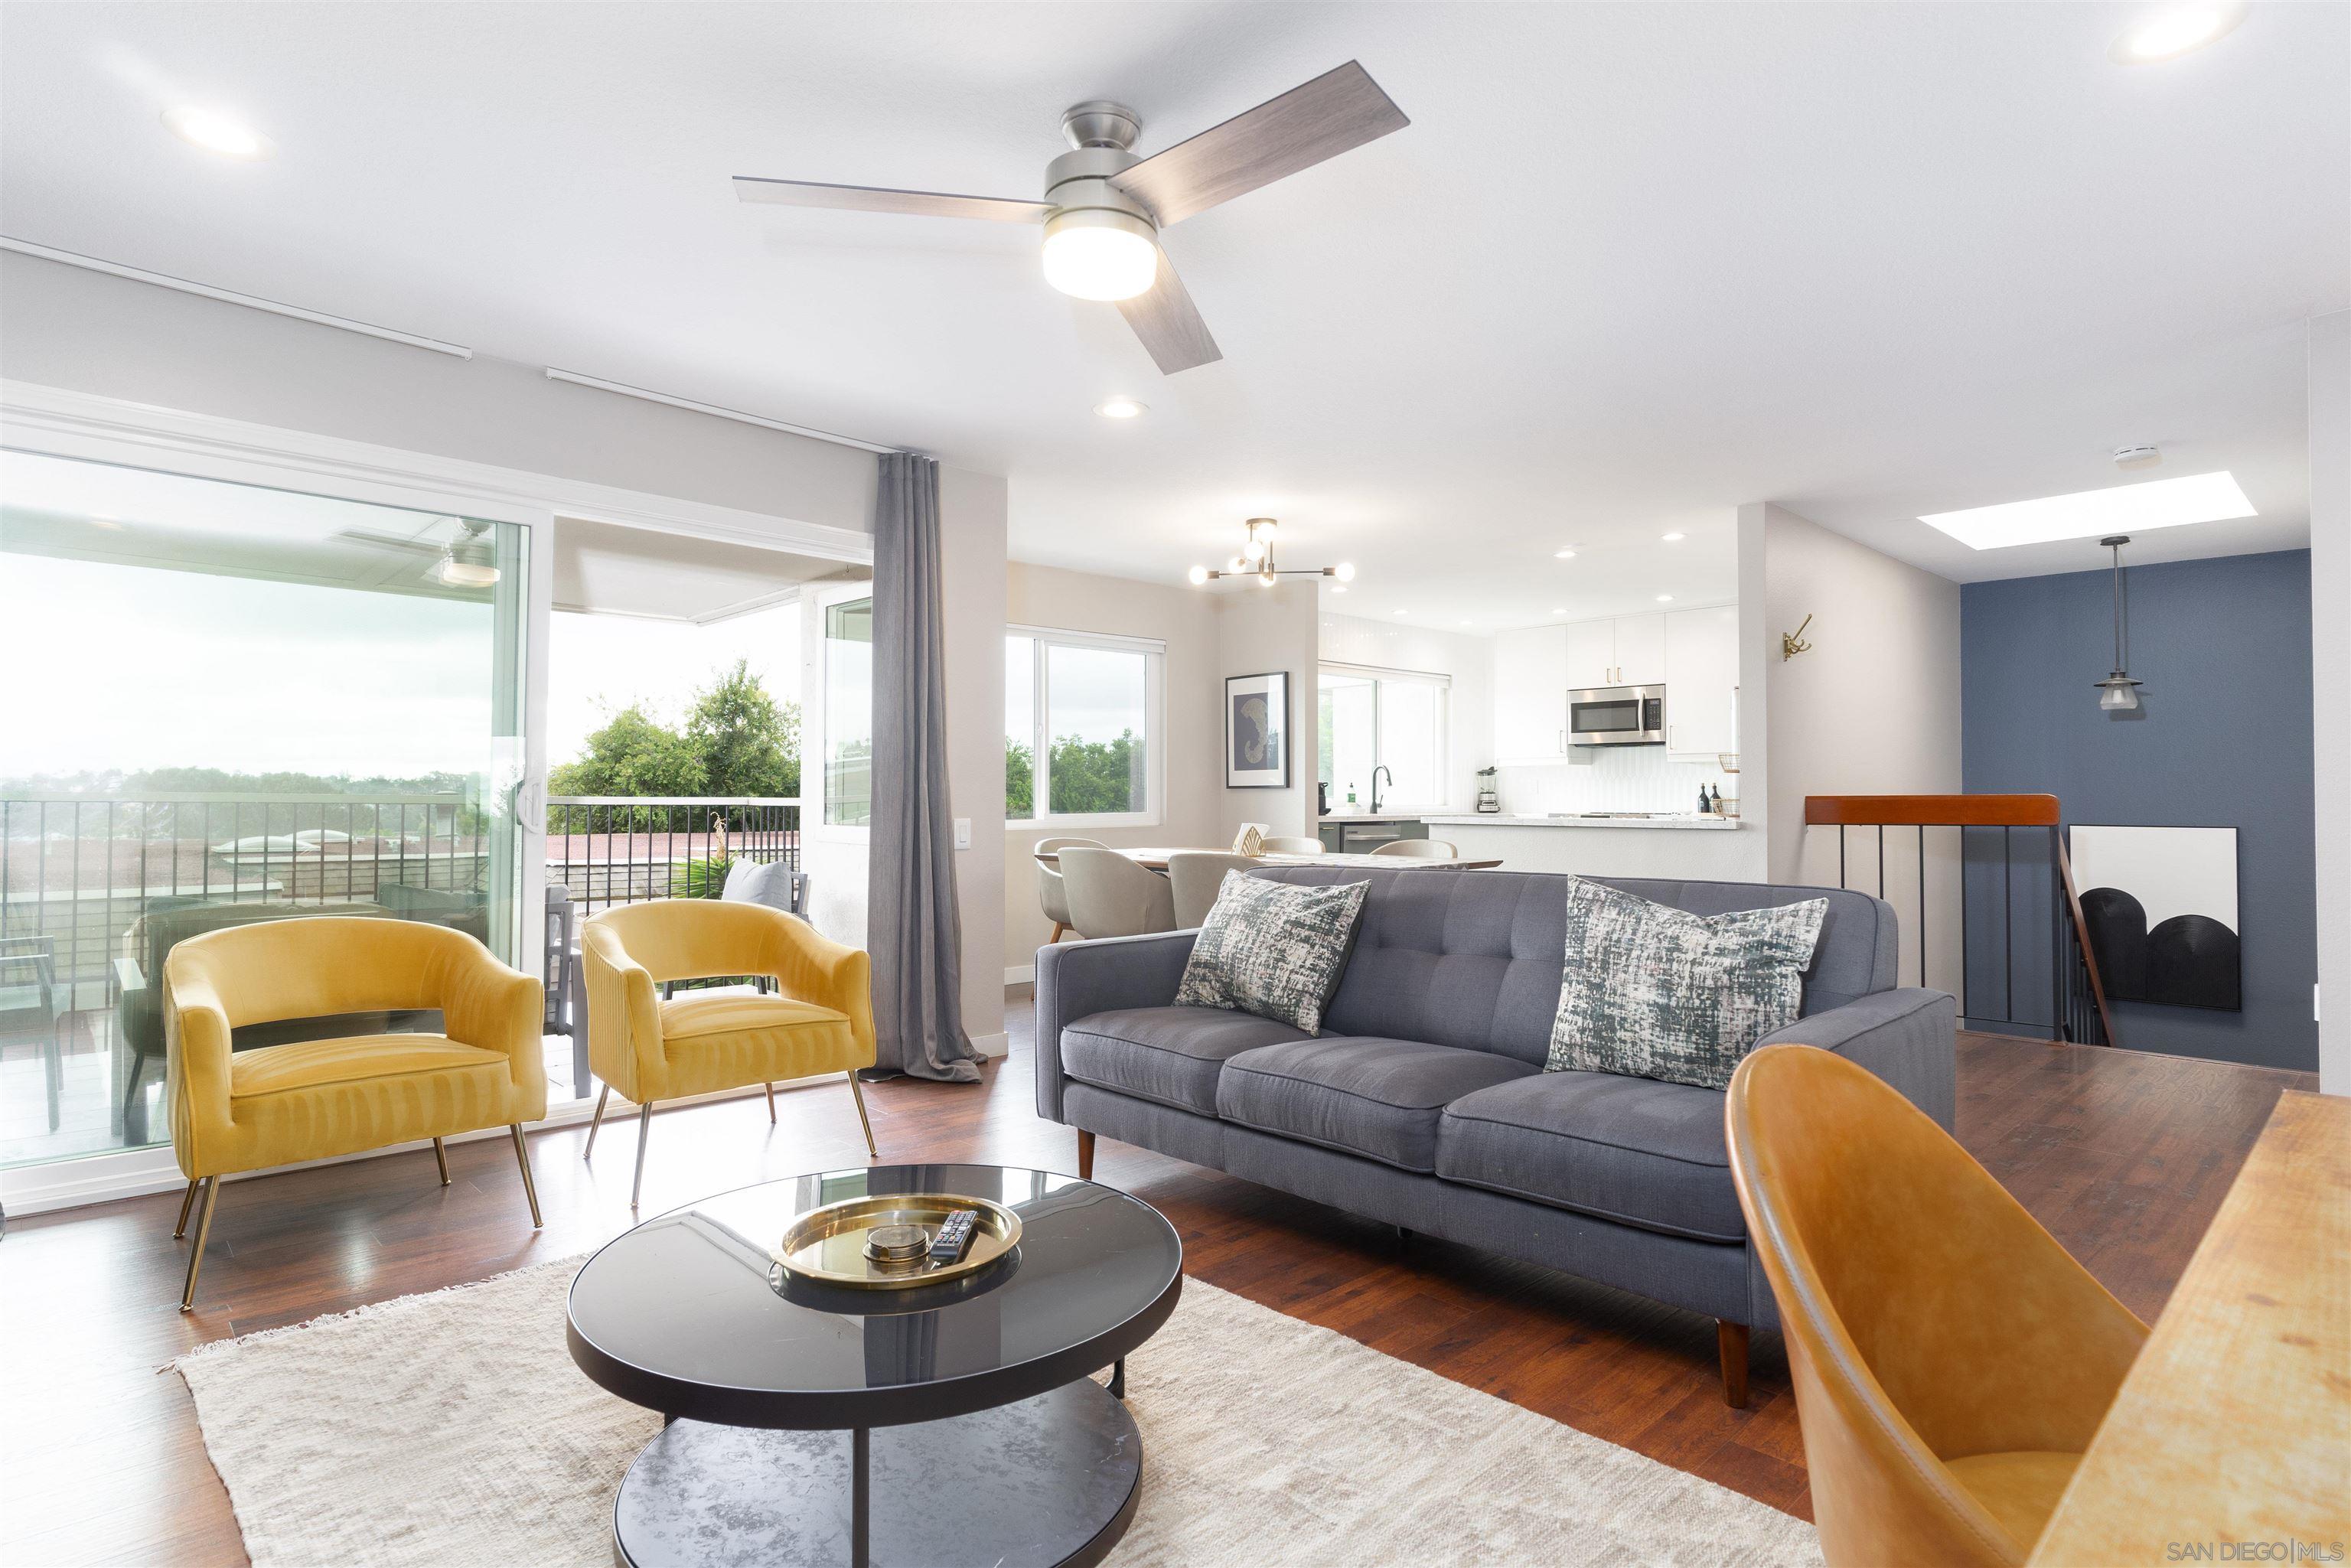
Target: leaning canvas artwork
{"type": "Point", "coordinates": [2160, 904]}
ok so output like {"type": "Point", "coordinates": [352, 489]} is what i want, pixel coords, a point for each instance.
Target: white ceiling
{"type": "Point", "coordinates": [604, 568]}
{"type": "Point", "coordinates": [1630, 266]}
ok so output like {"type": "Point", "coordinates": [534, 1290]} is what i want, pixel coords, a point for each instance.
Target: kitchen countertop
{"type": "Point", "coordinates": [1382, 817]}
{"type": "Point", "coordinates": [1691, 821]}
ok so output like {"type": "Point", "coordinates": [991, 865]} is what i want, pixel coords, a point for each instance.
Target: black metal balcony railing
{"type": "Point", "coordinates": [83, 871]}
{"type": "Point", "coordinates": [614, 849]}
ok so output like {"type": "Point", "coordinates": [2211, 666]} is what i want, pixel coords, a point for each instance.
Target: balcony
{"type": "Point", "coordinates": [94, 892]}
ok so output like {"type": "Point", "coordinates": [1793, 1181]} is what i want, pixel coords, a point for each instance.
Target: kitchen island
{"type": "Point", "coordinates": [1711, 848]}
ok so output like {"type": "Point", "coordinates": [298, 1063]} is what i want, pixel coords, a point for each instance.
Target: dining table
{"type": "Point", "coordinates": [1156, 858]}
{"type": "Point", "coordinates": [2230, 1438]}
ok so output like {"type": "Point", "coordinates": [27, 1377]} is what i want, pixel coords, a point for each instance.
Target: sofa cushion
{"type": "Point", "coordinates": [1170, 1055]}
{"type": "Point", "coordinates": [1270, 949]}
{"type": "Point", "coordinates": [1363, 1094]}
{"type": "Point", "coordinates": [1654, 991]}
{"type": "Point", "coordinates": [1629, 1149]}
{"type": "Point", "coordinates": [1474, 959]}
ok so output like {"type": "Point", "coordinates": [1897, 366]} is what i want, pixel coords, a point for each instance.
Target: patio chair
{"type": "Point", "coordinates": [29, 1006]}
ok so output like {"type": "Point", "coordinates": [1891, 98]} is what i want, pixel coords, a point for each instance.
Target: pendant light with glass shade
{"type": "Point", "coordinates": [2119, 693]}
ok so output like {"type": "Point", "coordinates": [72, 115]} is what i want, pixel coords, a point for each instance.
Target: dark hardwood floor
{"type": "Point", "coordinates": [2124, 1156]}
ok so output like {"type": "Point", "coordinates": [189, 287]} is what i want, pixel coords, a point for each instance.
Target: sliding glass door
{"type": "Point", "coordinates": [229, 704]}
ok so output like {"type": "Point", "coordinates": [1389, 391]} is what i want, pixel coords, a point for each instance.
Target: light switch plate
{"type": "Point", "coordinates": [963, 832]}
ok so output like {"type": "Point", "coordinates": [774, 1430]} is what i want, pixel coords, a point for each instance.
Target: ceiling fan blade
{"type": "Point", "coordinates": [389, 541]}
{"type": "Point", "coordinates": [1323, 118]}
{"type": "Point", "coordinates": [1169, 324]}
{"type": "Point", "coordinates": [881, 199]}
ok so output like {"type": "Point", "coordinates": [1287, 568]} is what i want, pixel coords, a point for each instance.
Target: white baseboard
{"type": "Point", "coordinates": [1020, 975]}
{"type": "Point", "coordinates": [996, 1044]}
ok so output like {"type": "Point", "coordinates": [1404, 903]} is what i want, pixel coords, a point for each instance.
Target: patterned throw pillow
{"type": "Point", "coordinates": [1272, 948]}
{"type": "Point", "coordinates": [1656, 992]}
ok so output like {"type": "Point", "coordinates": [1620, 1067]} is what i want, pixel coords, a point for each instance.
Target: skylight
{"type": "Point", "coordinates": [2088, 514]}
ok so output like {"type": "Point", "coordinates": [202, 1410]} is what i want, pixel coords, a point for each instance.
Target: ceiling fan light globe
{"type": "Point", "coordinates": [1097, 253]}
{"type": "Point", "coordinates": [451, 572]}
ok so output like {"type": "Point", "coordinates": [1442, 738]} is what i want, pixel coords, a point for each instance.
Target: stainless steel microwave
{"type": "Point", "coordinates": [1616, 715]}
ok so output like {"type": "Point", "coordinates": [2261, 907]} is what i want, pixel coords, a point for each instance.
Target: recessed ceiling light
{"type": "Point", "coordinates": [1665, 598]}
{"type": "Point", "coordinates": [1563, 555]}
{"type": "Point", "coordinates": [2090, 514]}
{"type": "Point", "coordinates": [1120, 408]}
{"type": "Point", "coordinates": [1673, 538]}
{"type": "Point", "coordinates": [1465, 620]}
{"type": "Point", "coordinates": [102, 520]}
{"type": "Point", "coordinates": [1561, 611]}
{"type": "Point", "coordinates": [2174, 31]}
{"type": "Point", "coordinates": [1400, 612]}
{"type": "Point", "coordinates": [1338, 588]}
{"type": "Point", "coordinates": [216, 133]}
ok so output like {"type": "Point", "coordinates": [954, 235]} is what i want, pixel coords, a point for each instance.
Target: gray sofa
{"type": "Point", "coordinates": [1424, 1104]}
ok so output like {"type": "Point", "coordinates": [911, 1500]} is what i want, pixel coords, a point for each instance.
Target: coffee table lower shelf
{"type": "Point", "coordinates": [1047, 1482]}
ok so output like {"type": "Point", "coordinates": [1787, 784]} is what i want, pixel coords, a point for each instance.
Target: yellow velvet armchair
{"type": "Point", "coordinates": [315, 1099]}
{"type": "Point", "coordinates": [701, 1043]}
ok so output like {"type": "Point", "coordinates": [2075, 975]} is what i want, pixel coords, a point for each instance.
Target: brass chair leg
{"type": "Point", "coordinates": [595, 1125]}
{"type": "Point", "coordinates": [771, 1103]}
{"type": "Point", "coordinates": [1085, 1155]}
{"type": "Point", "coordinates": [530, 1189]}
{"type": "Point", "coordinates": [187, 1200]}
{"type": "Point", "coordinates": [441, 1158]}
{"type": "Point", "coordinates": [857, 1091]}
{"type": "Point", "coordinates": [644, 1126]}
{"type": "Point", "coordinates": [196, 1253]}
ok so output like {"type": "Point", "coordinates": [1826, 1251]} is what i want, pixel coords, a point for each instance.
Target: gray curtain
{"type": "Point", "coordinates": [914, 928]}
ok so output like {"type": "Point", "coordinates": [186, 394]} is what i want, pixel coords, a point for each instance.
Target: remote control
{"type": "Point", "coordinates": [953, 1237]}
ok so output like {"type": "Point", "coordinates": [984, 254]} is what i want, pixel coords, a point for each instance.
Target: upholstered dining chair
{"type": "Point", "coordinates": [820, 1019]}
{"type": "Point", "coordinates": [315, 1099]}
{"type": "Point", "coordinates": [1194, 877]}
{"type": "Point", "coordinates": [1950, 1359]}
{"type": "Point", "coordinates": [1295, 846]}
{"type": "Point", "coordinates": [1052, 892]}
{"type": "Point", "coordinates": [1419, 850]}
{"type": "Point", "coordinates": [1110, 895]}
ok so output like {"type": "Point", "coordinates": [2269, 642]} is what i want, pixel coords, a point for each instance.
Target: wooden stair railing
{"type": "Point", "coordinates": [2078, 1009]}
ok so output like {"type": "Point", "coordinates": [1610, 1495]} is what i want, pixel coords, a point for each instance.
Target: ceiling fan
{"type": "Point", "coordinates": [465, 562]}
{"type": "Point", "coordinates": [1104, 206]}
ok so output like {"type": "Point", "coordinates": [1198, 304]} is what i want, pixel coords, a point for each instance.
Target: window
{"type": "Point", "coordinates": [1081, 727]}
{"type": "Point", "coordinates": [1367, 719]}
{"type": "Point", "coordinates": [849, 714]}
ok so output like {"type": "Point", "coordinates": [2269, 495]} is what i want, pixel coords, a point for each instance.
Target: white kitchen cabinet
{"type": "Point", "coordinates": [1591, 652]}
{"type": "Point", "coordinates": [1640, 650]}
{"type": "Point", "coordinates": [1530, 680]}
{"type": "Point", "coordinates": [1701, 672]}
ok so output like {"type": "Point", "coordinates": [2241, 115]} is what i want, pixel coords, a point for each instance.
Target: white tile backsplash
{"type": "Point", "coordinates": [1617, 778]}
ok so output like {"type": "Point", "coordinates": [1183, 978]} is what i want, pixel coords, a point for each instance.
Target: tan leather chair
{"type": "Point", "coordinates": [1950, 1359]}
{"type": "Point", "coordinates": [1194, 875]}
{"type": "Point", "coordinates": [1110, 895]}
{"type": "Point", "coordinates": [1295, 847]}
{"type": "Point", "coordinates": [1052, 892]}
{"type": "Point", "coordinates": [820, 1018]}
{"type": "Point", "coordinates": [1419, 850]}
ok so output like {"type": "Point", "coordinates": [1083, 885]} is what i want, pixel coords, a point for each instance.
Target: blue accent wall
{"type": "Point", "coordinates": [2222, 739]}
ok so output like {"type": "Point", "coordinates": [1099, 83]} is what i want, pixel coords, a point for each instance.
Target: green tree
{"type": "Point", "coordinates": [633, 755]}
{"type": "Point", "coordinates": [749, 743]}
{"type": "Point", "coordinates": [1019, 781]}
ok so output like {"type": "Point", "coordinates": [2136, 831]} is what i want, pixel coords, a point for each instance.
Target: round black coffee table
{"type": "Point", "coordinates": [815, 1425]}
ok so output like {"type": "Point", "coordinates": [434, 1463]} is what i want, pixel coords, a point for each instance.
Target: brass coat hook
{"type": "Point", "coordinates": [1792, 643]}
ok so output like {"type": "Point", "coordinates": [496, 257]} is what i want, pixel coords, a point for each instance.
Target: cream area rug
{"type": "Point", "coordinates": [452, 1428]}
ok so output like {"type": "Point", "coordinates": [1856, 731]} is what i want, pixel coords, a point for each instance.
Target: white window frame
{"type": "Point", "coordinates": [816, 599]}
{"type": "Point", "coordinates": [1443, 772]}
{"type": "Point", "coordinates": [1154, 711]}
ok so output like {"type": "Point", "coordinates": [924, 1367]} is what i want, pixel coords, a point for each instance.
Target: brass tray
{"type": "Point", "coordinates": [828, 1244]}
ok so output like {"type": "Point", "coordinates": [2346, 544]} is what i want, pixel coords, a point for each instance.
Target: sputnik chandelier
{"type": "Point", "coordinates": [1256, 560]}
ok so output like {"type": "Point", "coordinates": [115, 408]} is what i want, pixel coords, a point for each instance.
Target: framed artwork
{"type": "Point", "coordinates": [1257, 731]}
{"type": "Point", "coordinates": [2160, 905]}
